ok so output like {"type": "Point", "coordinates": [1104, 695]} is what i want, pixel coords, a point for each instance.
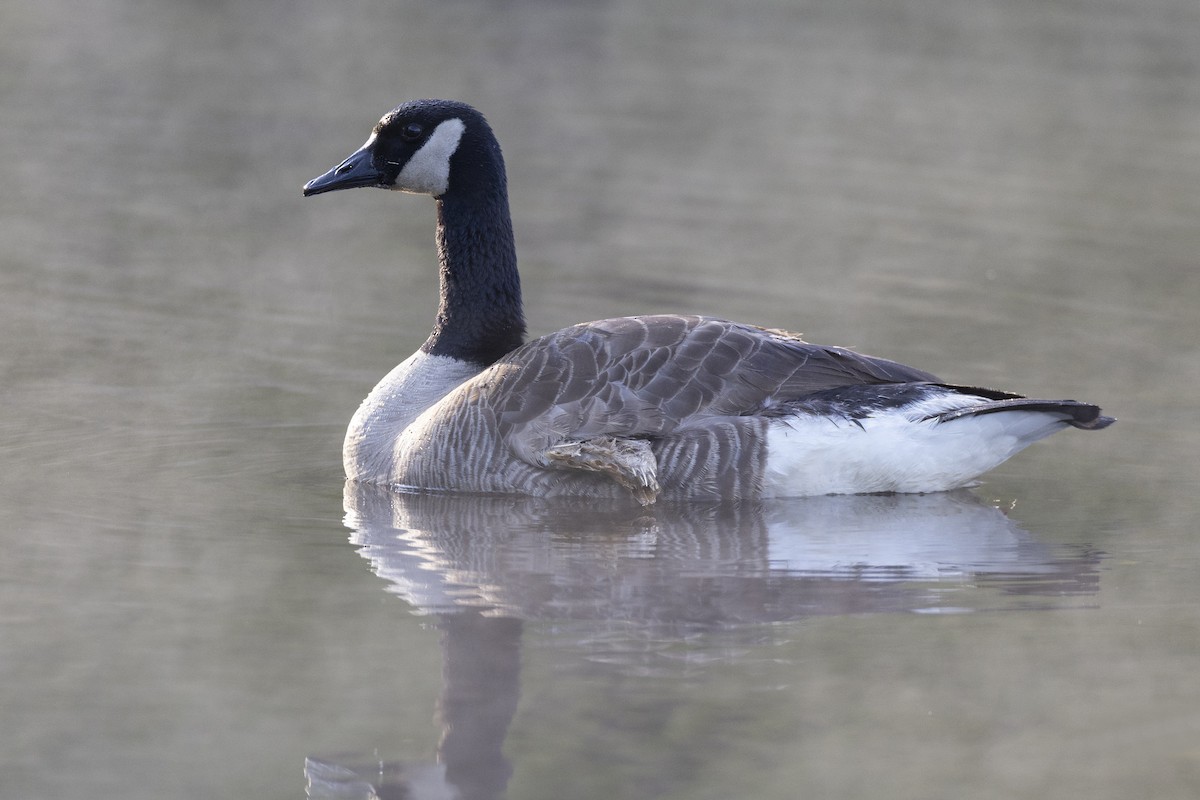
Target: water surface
{"type": "Point", "coordinates": [192, 604]}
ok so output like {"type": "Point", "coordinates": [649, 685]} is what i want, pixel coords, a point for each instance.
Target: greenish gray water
{"type": "Point", "coordinates": [1004, 194]}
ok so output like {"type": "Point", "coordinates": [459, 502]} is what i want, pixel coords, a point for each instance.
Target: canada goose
{"type": "Point", "coordinates": [665, 406]}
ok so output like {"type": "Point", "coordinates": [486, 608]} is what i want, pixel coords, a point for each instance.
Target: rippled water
{"type": "Point", "coordinates": [193, 605]}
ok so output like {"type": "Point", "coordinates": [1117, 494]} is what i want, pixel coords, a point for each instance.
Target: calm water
{"type": "Point", "coordinates": [193, 605]}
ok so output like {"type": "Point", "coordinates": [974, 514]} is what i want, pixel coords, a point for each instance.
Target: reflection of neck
{"type": "Point", "coordinates": [481, 664]}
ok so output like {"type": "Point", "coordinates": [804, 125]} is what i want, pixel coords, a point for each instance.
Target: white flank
{"type": "Point", "coordinates": [896, 451]}
{"type": "Point", "coordinates": [428, 171]}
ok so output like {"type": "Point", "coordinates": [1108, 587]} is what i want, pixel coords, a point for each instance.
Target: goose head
{"type": "Point", "coordinates": [447, 150]}
{"type": "Point", "coordinates": [433, 147]}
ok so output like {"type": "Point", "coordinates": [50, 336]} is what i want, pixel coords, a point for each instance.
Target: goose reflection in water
{"type": "Point", "coordinates": [625, 587]}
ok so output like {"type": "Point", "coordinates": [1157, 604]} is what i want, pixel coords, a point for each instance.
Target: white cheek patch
{"type": "Point", "coordinates": [428, 171]}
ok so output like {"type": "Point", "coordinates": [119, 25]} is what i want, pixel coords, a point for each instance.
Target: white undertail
{"type": "Point", "coordinates": [898, 450]}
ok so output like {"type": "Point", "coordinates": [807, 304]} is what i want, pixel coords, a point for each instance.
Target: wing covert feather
{"type": "Point", "coordinates": [647, 376]}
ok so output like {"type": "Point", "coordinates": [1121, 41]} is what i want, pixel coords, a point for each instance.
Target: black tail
{"type": "Point", "coordinates": [1078, 415]}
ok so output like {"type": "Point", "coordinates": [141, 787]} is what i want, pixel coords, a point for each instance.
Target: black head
{"type": "Point", "coordinates": [427, 147]}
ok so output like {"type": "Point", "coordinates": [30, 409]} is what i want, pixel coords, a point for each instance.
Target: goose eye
{"type": "Point", "coordinates": [412, 131]}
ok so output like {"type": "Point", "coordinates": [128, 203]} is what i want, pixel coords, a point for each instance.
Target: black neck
{"type": "Point", "coordinates": [480, 317]}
